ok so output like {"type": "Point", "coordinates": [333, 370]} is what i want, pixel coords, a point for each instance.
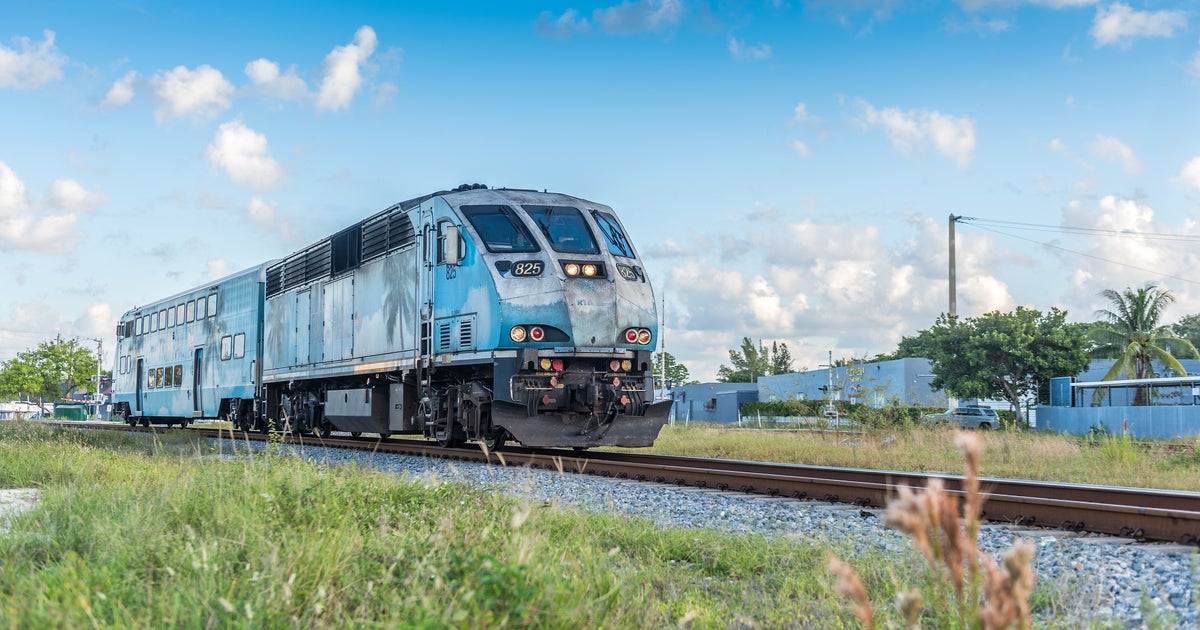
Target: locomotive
{"type": "Point", "coordinates": [477, 314]}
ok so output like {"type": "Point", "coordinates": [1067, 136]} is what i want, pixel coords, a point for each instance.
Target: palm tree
{"type": "Point", "coordinates": [1130, 333]}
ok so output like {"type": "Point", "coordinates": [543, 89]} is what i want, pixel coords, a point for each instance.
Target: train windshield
{"type": "Point", "coordinates": [499, 228]}
{"type": "Point", "coordinates": [565, 228]}
{"type": "Point", "coordinates": [618, 245]}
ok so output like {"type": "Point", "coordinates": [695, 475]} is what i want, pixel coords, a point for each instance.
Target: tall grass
{"type": "Point", "coordinates": [1010, 454]}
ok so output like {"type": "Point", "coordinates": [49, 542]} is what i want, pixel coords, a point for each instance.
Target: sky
{"type": "Point", "coordinates": [787, 169]}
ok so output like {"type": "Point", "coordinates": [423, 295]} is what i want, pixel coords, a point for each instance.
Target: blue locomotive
{"type": "Point", "coordinates": [474, 314]}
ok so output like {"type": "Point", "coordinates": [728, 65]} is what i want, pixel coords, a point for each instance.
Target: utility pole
{"type": "Point", "coordinates": [953, 280]}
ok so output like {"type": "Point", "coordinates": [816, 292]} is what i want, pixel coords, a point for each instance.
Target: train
{"type": "Point", "coordinates": [470, 315]}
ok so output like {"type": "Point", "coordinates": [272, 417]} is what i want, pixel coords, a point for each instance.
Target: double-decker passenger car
{"type": "Point", "coordinates": [192, 355]}
{"type": "Point", "coordinates": [475, 314]}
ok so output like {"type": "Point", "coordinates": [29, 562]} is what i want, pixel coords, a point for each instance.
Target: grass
{"type": "Point", "coordinates": [1105, 460]}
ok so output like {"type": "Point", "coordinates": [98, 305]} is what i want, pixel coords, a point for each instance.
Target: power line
{"type": "Point", "coordinates": [1085, 255]}
{"type": "Point", "coordinates": [1070, 229]}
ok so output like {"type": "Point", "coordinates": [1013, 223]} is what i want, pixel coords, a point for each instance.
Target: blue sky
{"type": "Point", "coordinates": [786, 168]}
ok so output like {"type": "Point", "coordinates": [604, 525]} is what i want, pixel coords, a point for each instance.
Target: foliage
{"type": "Point", "coordinates": [48, 372]}
{"type": "Point", "coordinates": [752, 361]}
{"type": "Point", "coordinates": [972, 588]}
{"type": "Point", "coordinates": [677, 373]}
{"type": "Point", "coordinates": [1130, 333]}
{"type": "Point", "coordinates": [1000, 355]}
{"type": "Point", "coordinates": [1188, 327]}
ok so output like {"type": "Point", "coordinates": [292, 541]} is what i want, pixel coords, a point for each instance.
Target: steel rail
{"type": "Point", "coordinates": [1141, 513]}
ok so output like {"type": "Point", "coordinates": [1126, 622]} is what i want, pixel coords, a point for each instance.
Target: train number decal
{"type": "Point", "coordinates": [527, 268]}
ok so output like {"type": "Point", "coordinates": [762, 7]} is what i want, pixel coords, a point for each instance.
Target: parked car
{"type": "Point", "coordinates": [967, 417]}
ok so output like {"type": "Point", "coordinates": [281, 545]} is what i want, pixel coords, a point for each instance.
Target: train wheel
{"type": "Point", "coordinates": [145, 421]}
{"type": "Point", "coordinates": [445, 436]}
{"type": "Point", "coordinates": [324, 430]}
{"type": "Point", "coordinates": [355, 434]}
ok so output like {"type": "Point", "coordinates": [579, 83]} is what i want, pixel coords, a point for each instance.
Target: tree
{"type": "Point", "coordinates": [1002, 355]}
{"type": "Point", "coordinates": [677, 373]}
{"type": "Point", "coordinates": [1188, 327]}
{"type": "Point", "coordinates": [755, 361]}
{"type": "Point", "coordinates": [49, 371]}
{"type": "Point", "coordinates": [1130, 333]}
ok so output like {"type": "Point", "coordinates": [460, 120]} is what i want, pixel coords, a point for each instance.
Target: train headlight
{"type": "Point", "coordinates": [572, 269]}
{"type": "Point", "coordinates": [517, 334]}
{"type": "Point", "coordinates": [626, 365]}
{"type": "Point", "coordinates": [643, 336]}
{"type": "Point", "coordinates": [544, 364]}
{"type": "Point", "coordinates": [536, 333]}
{"type": "Point", "coordinates": [589, 270]}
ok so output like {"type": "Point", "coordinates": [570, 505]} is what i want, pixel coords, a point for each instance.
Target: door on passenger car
{"type": "Point", "coordinates": [197, 384]}
{"type": "Point", "coordinates": [137, 390]}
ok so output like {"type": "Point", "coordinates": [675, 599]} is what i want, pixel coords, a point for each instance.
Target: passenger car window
{"type": "Point", "coordinates": [239, 345]}
{"type": "Point", "coordinates": [500, 228]}
{"type": "Point", "coordinates": [212, 305]}
{"type": "Point", "coordinates": [226, 347]}
{"type": "Point", "coordinates": [191, 311]}
{"type": "Point", "coordinates": [564, 228]}
{"type": "Point", "coordinates": [614, 236]}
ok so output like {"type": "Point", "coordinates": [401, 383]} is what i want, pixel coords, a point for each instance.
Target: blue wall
{"type": "Point", "coordinates": [711, 402]}
{"type": "Point", "coordinates": [1164, 422]}
{"type": "Point", "coordinates": [903, 381]}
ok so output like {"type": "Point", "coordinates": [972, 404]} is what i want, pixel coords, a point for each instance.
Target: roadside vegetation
{"type": "Point", "coordinates": [1100, 459]}
{"type": "Point", "coordinates": [144, 531]}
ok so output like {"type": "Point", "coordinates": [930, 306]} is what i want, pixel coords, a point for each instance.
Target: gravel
{"type": "Point", "coordinates": [1097, 580]}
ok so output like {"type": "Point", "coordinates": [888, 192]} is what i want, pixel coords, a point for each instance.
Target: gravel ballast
{"type": "Point", "coordinates": [1097, 579]}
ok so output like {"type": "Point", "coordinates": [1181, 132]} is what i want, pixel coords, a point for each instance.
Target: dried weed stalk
{"type": "Point", "coordinates": [981, 592]}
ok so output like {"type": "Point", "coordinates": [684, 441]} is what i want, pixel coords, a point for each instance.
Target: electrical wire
{"type": "Point", "coordinates": [1085, 255]}
{"type": "Point", "coordinates": [1068, 229]}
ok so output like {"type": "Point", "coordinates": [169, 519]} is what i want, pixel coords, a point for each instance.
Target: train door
{"type": "Point", "coordinates": [198, 384]}
{"type": "Point", "coordinates": [137, 390]}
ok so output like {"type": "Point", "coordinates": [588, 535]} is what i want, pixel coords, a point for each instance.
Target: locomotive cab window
{"type": "Point", "coordinates": [614, 236]}
{"type": "Point", "coordinates": [565, 228]}
{"type": "Point", "coordinates": [500, 228]}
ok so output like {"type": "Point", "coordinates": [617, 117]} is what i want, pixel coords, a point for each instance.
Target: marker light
{"type": "Point", "coordinates": [544, 364]}
{"type": "Point", "coordinates": [626, 365]}
{"type": "Point", "coordinates": [517, 334]}
{"type": "Point", "coordinates": [614, 365]}
{"type": "Point", "coordinates": [589, 270]}
{"type": "Point", "coordinates": [558, 365]}
{"type": "Point", "coordinates": [631, 335]}
{"type": "Point", "coordinates": [536, 333]}
{"type": "Point", "coordinates": [572, 269]}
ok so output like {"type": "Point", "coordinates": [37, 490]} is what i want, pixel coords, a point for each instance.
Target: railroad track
{"type": "Point", "coordinates": [1140, 513]}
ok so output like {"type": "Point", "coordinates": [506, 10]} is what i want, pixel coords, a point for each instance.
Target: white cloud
{"type": "Point", "coordinates": [31, 65]}
{"type": "Point", "coordinates": [13, 199]}
{"type": "Point", "coordinates": [637, 16]}
{"type": "Point", "coordinates": [343, 75]}
{"type": "Point", "coordinates": [757, 52]}
{"type": "Point", "coordinates": [262, 213]}
{"type": "Point", "coordinates": [244, 156]}
{"type": "Point", "coordinates": [265, 76]}
{"type": "Point", "coordinates": [952, 136]}
{"type": "Point", "coordinates": [200, 93]}
{"type": "Point", "coordinates": [801, 114]}
{"type": "Point", "coordinates": [801, 147]}
{"type": "Point", "coordinates": [215, 269]}
{"type": "Point", "coordinates": [563, 26]}
{"type": "Point", "coordinates": [121, 92]}
{"type": "Point", "coordinates": [1119, 24]}
{"type": "Point", "coordinates": [1112, 148]}
{"type": "Point", "coordinates": [97, 322]}
{"type": "Point", "coordinates": [69, 194]}
{"type": "Point", "coordinates": [1189, 174]}
{"type": "Point", "coordinates": [49, 234]}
